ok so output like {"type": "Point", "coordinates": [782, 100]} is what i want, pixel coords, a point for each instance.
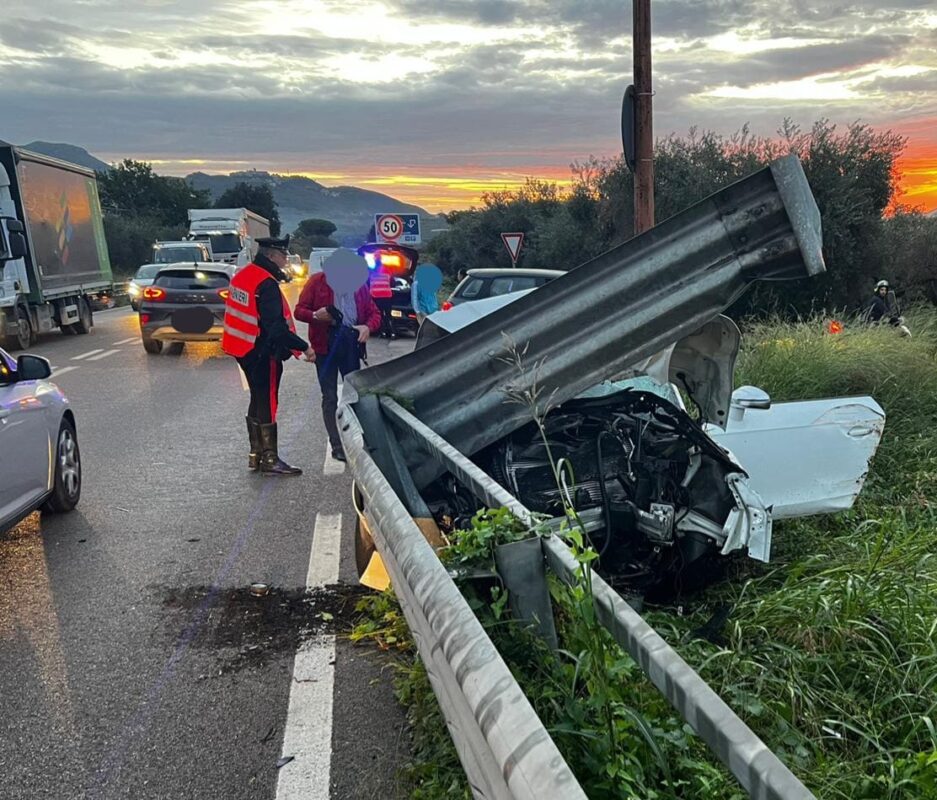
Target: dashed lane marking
{"type": "Point", "coordinates": [89, 353]}
{"type": "Point", "coordinates": [127, 341]}
{"type": "Point", "coordinates": [103, 355]}
{"type": "Point", "coordinates": [307, 738]}
{"type": "Point", "coordinates": [56, 371]}
{"type": "Point", "coordinates": [331, 466]}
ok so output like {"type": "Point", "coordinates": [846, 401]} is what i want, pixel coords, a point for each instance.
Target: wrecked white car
{"type": "Point", "coordinates": [659, 490]}
{"type": "Point", "coordinates": [664, 493]}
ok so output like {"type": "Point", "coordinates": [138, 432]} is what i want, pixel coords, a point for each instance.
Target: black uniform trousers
{"type": "Point", "coordinates": [263, 373]}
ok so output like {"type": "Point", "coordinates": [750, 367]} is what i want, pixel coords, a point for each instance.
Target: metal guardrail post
{"type": "Point", "coordinates": [760, 772]}
{"type": "Point", "coordinates": [506, 752]}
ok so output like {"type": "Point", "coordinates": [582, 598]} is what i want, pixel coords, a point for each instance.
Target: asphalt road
{"type": "Point", "coordinates": [134, 663]}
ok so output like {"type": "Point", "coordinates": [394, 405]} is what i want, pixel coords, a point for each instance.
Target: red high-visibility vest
{"type": "Point", "coordinates": [241, 317]}
{"type": "Point", "coordinates": [380, 284]}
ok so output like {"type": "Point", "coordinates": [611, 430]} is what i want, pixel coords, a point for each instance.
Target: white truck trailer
{"type": "Point", "coordinates": [232, 232]}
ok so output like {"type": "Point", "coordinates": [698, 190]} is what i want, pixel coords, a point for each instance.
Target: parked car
{"type": "Point", "coordinates": [40, 463]}
{"type": "Point", "coordinates": [402, 315]}
{"type": "Point", "coordinates": [143, 278]}
{"type": "Point", "coordinates": [667, 473]}
{"type": "Point", "coordinates": [295, 266]}
{"type": "Point", "coordinates": [480, 284]}
{"type": "Point", "coordinates": [185, 303]}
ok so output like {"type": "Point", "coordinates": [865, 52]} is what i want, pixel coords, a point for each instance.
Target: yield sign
{"type": "Point", "coordinates": [513, 242]}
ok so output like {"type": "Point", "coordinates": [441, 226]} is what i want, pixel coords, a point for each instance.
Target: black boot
{"type": "Point", "coordinates": [253, 432]}
{"type": "Point", "coordinates": [270, 463]}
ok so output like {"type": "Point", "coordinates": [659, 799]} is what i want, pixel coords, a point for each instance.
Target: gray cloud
{"type": "Point", "coordinates": [556, 95]}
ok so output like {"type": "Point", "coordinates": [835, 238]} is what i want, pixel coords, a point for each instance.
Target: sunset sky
{"type": "Point", "coordinates": [436, 101]}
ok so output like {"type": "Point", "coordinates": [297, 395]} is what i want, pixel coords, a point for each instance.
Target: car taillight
{"type": "Point", "coordinates": [223, 294]}
{"type": "Point", "coordinates": [447, 306]}
{"type": "Point", "coordinates": [153, 293]}
{"type": "Point", "coordinates": [144, 318]}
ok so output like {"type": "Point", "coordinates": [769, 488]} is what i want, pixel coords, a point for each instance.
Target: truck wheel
{"type": "Point", "coordinates": [67, 487]}
{"type": "Point", "coordinates": [24, 336]}
{"type": "Point", "coordinates": [85, 322]}
{"type": "Point", "coordinates": [154, 346]}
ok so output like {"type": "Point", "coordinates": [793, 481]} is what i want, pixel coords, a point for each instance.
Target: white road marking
{"type": "Point", "coordinates": [103, 355]}
{"type": "Point", "coordinates": [56, 371]}
{"type": "Point", "coordinates": [127, 341]}
{"type": "Point", "coordinates": [85, 355]}
{"type": "Point", "coordinates": [332, 467]}
{"type": "Point", "coordinates": [307, 737]}
{"type": "Point", "coordinates": [326, 547]}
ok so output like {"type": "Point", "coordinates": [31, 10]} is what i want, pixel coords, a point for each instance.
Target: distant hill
{"type": "Point", "coordinates": [68, 152]}
{"type": "Point", "coordinates": [351, 209]}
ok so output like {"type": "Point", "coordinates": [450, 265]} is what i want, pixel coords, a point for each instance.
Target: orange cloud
{"type": "Point", "coordinates": [918, 164]}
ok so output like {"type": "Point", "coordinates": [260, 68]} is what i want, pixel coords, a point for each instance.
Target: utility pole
{"type": "Point", "coordinates": [644, 125]}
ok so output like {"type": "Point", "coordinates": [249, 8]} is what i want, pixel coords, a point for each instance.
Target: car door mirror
{"type": "Point", "coordinates": [12, 239]}
{"type": "Point", "coordinates": [32, 368]}
{"type": "Point", "coordinates": [751, 397]}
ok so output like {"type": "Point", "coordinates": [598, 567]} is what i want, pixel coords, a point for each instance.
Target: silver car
{"type": "Point", "coordinates": [40, 464]}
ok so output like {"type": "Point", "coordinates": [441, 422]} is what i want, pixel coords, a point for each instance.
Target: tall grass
{"type": "Point", "coordinates": [832, 654]}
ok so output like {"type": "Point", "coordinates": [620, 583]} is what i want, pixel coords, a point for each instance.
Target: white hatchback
{"type": "Point", "coordinates": [40, 463]}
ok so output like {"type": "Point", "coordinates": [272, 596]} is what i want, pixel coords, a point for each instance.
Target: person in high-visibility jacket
{"type": "Point", "coordinates": [259, 332]}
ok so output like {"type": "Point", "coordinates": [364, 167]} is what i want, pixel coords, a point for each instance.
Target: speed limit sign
{"type": "Point", "coordinates": [389, 227]}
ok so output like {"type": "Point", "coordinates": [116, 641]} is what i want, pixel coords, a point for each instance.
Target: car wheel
{"type": "Point", "coordinates": [85, 321]}
{"type": "Point", "coordinates": [134, 306]}
{"type": "Point", "coordinates": [153, 346]}
{"type": "Point", "coordinates": [67, 486]}
{"type": "Point", "coordinates": [175, 348]}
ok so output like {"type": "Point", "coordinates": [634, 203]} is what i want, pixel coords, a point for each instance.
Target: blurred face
{"type": "Point", "coordinates": [882, 291]}
{"type": "Point", "coordinates": [278, 257]}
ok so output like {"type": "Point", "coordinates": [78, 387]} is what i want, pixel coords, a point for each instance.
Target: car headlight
{"type": "Point", "coordinates": [133, 289]}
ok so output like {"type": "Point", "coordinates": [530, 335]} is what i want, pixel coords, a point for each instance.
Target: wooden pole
{"type": "Point", "coordinates": [644, 126]}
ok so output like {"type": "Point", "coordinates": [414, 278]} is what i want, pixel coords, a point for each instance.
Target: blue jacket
{"type": "Point", "coordinates": [424, 302]}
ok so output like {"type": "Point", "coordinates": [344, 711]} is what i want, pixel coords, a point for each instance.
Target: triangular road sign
{"type": "Point", "coordinates": [513, 242]}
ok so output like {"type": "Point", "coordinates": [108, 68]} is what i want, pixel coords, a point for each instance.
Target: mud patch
{"type": "Point", "coordinates": [247, 631]}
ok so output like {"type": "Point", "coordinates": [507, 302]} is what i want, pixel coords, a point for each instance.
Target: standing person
{"type": "Point", "coordinates": [383, 297]}
{"type": "Point", "coordinates": [426, 282]}
{"type": "Point", "coordinates": [341, 313]}
{"type": "Point", "coordinates": [259, 332]}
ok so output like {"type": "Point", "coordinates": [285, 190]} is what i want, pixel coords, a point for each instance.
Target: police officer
{"type": "Point", "coordinates": [259, 332]}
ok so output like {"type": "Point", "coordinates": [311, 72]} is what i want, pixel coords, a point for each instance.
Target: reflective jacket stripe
{"type": "Point", "coordinates": [247, 337]}
{"type": "Point", "coordinates": [249, 318]}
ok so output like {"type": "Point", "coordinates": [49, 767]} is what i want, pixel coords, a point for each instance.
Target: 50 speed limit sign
{"type": "Point", "coordinates": [389, 227]}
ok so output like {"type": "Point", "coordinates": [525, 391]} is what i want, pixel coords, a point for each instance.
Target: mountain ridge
{"type": "Point", "coordinates": [350, 208]}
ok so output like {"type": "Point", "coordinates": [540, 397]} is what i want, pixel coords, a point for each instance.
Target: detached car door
{"type": "Point", "coordinates": [804, 458]}
{"type": "Point", "coordinates": [25, 445]}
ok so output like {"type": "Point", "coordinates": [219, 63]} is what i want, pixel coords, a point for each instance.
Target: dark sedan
{"type": "Point", "coordinates": [185, 303]}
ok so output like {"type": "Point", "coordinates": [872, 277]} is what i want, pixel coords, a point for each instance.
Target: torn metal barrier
{"type": "Point", "coordinates": [503, 746]}
{"type": "Point", "coordinates": [607, 313]}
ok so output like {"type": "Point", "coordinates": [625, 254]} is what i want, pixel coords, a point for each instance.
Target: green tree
{"type": "Point", "coordinates": [312, 233]}
{"type": "Point", "coordinates": [851, 172]}
{"type": "Point", "coordinates": [131, 188]}
{"type": "Point", "coordinates": [254, 197]}
{"type": "Point", "coordinates": [141, 207]}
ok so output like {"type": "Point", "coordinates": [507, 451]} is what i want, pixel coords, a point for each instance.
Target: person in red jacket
{"type": "Point", "coordinates": [337, 305]}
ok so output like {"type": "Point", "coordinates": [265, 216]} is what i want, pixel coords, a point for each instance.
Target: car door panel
{"type": "Point", "coordinates": [808, 457]}
{"type": "Point", "coordinates": [25, 446]}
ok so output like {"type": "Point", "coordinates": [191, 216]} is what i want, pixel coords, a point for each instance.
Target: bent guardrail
{"type": "Point", "coordinates": [502, 744]}
{"type": "Point", "coordinates": [759, 771]}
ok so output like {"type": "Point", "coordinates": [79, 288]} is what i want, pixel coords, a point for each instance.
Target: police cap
{"type": "Point", "coordinates": [274, 243]}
